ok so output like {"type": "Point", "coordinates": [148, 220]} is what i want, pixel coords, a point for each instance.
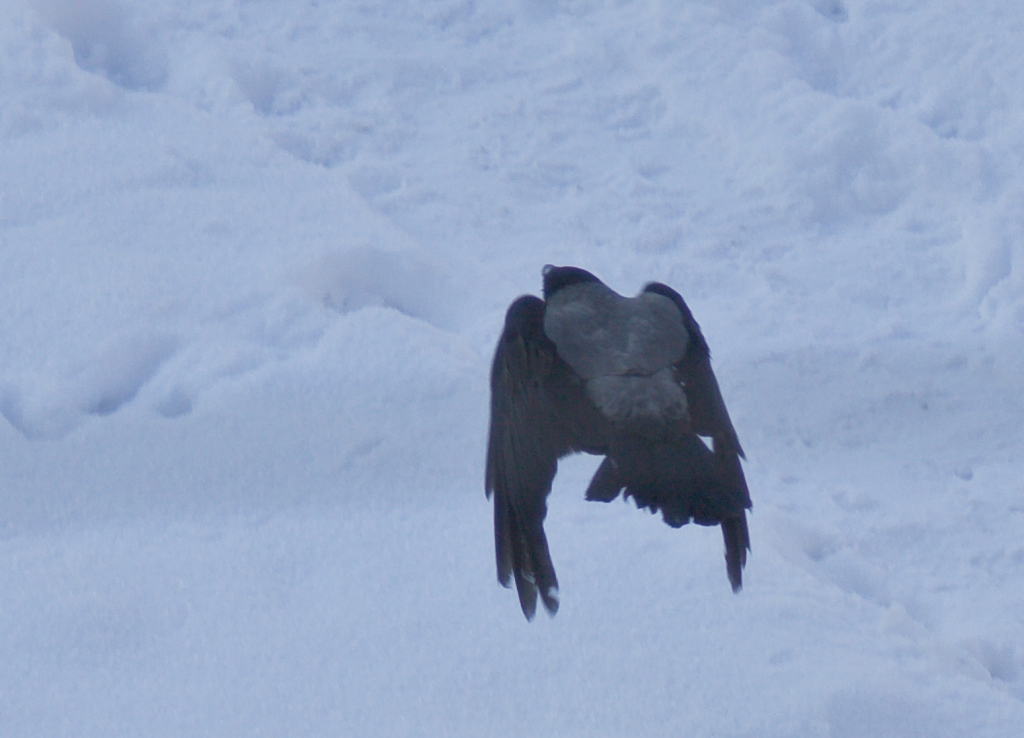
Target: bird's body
{"type": "Point", "coordinates": [628, 378]}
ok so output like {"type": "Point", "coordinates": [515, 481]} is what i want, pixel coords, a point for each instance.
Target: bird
{"type": "Point", "coordinates": [587, 370]}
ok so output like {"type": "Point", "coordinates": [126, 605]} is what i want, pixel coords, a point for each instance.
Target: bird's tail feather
{"type": "Point", "coordinates": [606, 484]}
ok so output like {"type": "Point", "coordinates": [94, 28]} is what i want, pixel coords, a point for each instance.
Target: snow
{"type": "Point", "coordinates": [257, 255]}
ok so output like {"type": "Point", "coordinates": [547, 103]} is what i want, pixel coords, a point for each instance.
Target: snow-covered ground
{"type": "Point", "coordinates": [255, 256]}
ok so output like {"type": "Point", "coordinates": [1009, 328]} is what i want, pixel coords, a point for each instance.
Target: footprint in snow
{"type": "Point", "coordinates": [52, 406]}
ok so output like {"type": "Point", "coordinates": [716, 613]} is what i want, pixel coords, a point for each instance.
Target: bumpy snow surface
{"type": "Point", "coordinates": [255, 256]}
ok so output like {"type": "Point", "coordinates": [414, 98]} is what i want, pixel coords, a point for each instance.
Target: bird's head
{"type": "Point", "coordinates": [556, 277]}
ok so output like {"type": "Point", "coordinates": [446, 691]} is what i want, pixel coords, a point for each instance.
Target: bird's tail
{"type": "Point", "coordinates": [606, 484]}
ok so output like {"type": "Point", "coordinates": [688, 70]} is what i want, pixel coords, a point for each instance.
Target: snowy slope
{"type": "Point", "coordinates": [257, 254]}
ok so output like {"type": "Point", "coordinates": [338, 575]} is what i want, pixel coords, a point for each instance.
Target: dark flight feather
{"type": "Point", "coordinates": [522, 453]}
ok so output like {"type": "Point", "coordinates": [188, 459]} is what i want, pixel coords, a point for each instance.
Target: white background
{"type": "Point", "coordinates": [254, 258]}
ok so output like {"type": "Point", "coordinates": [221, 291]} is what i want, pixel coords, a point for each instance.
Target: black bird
{"type": "Point", "coordinates": [627, 378]}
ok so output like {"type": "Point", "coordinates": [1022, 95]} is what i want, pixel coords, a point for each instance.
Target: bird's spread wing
{"type": "Point", "coordinates": [706, 407]}
{"type": "Point", "coordinates": [525, 442]}
{"type": "Point", "coordinates": [683, 479]}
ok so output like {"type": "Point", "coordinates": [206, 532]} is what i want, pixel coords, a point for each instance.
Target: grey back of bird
{"type": "Point", "coordinates": [624, 348]}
